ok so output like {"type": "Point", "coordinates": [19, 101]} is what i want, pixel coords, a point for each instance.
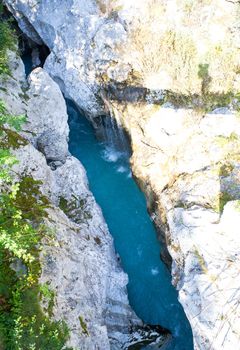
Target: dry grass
{"type": "Point", "coordinates": [108, 7]}
{"type": "Point", "coordinates": [168, 54]}
{"type": "Point", "coordinates": [171, 49]}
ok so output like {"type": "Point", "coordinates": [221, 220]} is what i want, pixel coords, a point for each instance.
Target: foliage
{"type": "Point", "coordinates": [226, 169]}
{"type": "Point", "coordinates": [109, 7]}
{"type": "Point", "coordinates": [204, 102]}
{"type": "Point", "coordinates": [11, 120]}
{"type": "Point", "coordinates": [76, 209]}
{"type": "Point", "coordinates": [83, 326]}
{"type": "Point", "coordinates": [224, 197]}
{"type": "Point", "coordinates": [23, 324]}
{"type": "Point", "coordinates": [201, 261]}
{"type": "Point", "coordinates": [181, 55]}
{"type": "Point", "coordinates": [47, 294]}
{"type": "Point", "coordinates": [7, 41]}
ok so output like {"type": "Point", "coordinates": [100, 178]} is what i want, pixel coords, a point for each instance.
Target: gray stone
{"type": "Point", "coordinates": [87, 279]}
{"type": "Point", "coordinates": [53, 146]}
{"type": "Point", "coordinates": [179, 155]}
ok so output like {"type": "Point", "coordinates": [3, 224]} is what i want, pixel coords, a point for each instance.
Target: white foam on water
{"type": "Point", "coordinates": [122, 169]}
{"type": "Point", "coordinates": [111, 155]}
{"type": "Point", "coordinates": [154, 271]}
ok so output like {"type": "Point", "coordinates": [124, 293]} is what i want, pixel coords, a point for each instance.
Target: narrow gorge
{"type": "Point", "coordinates": [126, 172]}
{"type": "Point", "coordinates": [150, 292]}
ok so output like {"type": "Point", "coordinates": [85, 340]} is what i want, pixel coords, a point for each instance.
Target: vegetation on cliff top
{"type": "Point", "coordinates": [176, 51]}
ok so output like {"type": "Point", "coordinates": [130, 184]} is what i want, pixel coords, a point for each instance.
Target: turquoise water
{"type": "Point", "coordinates": [27, 60]}
{"type": "Point", "coordinates": [151, 294]}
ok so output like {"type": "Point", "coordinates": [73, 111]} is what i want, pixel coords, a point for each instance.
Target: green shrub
{"type": "Point", "coordinates": [7, 41]}
{"type": "Point", "coordinates": [23, 324]}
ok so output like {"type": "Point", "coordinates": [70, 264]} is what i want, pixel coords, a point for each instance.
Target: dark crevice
{"type": "Point", "coordinates": [27, 47]}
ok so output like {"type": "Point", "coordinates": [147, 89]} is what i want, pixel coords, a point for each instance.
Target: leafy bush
{"type": "Point", "coordinates": [7, 41]}
{"type": "Point", "coordinates": [23, 324]}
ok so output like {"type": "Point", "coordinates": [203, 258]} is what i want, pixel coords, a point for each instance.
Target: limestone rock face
{"type": "Point", "coordinates": [12, 89]}
{"type": "Point", "coordinates": [79, 261]}
{"type": "Point", "coordinates": [71, 25]}
{"type": "Point", "coordinates": [54, 111]}
{"type": "Point", "coordinates": [133, 55]}
{"type": "Point", "coordinates": [188, 166]}
{"type": "Point", "coordinates": [155, 45]}
{"type": "Point", "coordinates": [51, 145]}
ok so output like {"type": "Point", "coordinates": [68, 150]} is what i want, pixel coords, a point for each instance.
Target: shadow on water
{"type": "Point", "coordinates": [150, 292]}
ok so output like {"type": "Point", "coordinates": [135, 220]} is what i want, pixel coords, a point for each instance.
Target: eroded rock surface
{"type": "Point", "coordinates": [78, 262]}
{"type": "Point", "coordinates": [188, 165]}
{"type": "Point", "coordinates": [143, 54]}
{"type": "Point", "coordinates": [153, 45]}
